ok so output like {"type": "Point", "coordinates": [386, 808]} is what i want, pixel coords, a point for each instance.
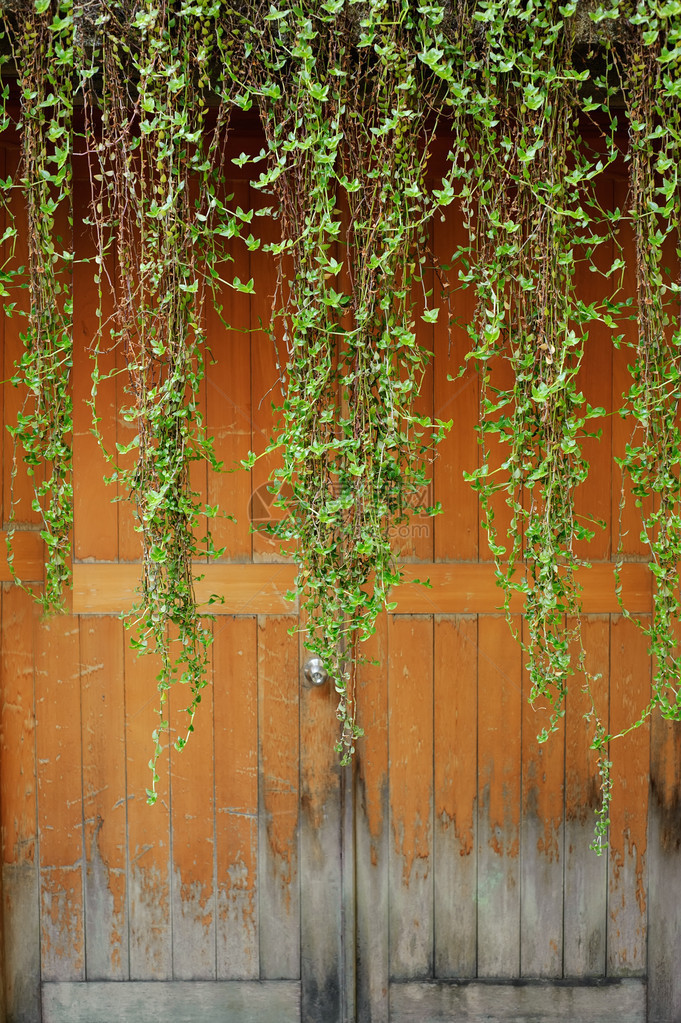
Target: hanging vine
{"type": "Point", "coordinates": [351, 95]}
{"type": "Point", "coordinates": [344, 105]}
{"type": "Point", "coordinates": [41, 40]}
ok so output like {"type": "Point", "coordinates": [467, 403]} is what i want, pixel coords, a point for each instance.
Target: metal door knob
{"type": "Point", "coordinates": [315, 672]}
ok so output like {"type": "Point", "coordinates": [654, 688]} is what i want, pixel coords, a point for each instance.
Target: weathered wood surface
{"type": "Point", "coordinates": [372, 831]}
{"type": "Point", "coordinates": [619, 1002]}
{"type": "Point", "coordinates": [499, 751]}
{"type": "Point", "coordinates": [586, 875]}
{"type": "Point", "coordinates": [179, 1001]}
{"type": "Point", "coordinates": [410, 741]}
{"type": "Point", "coordinates": [455, 796]}
{"type": "Point", "coordinates": [21, 863]}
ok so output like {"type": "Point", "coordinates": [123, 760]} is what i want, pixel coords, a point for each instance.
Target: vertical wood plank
{"type": "Point", "coordinates": [413, 540]}
{"type": "Point", "coordinates": [664, 859]}
{"type": "Point", "coordinates": [371, 830]}
{"type": "Point", "coordinates": [499, 722]}
{"type": "Point", "coordinates": [594, 497]}
{"type": "Point", "coordinates": [265, 391]}
{"type": "Point", "coordinates": [456, 530]}
{"type": "Point", "coordinates": [60, 810]}
{"type": "Point", "coordinates": [541, 843]}
{"type": "Point", "coordinates": [18, 765]}
{"type": "Point", "coordinates": [278, 855]}
{"type": "Point", "coordinates": [410, 735]}
{"type": "Point", "coordinates": [626, 524]}
{"type": "Point", "coordinates": [149, 876]}
{"type": "Point", "coordinates": [585, 892]}
{"type": "Point", "coordinates": [17, 493]}
{"type": "Point", "coordinates": [193, 840]}
{"type": "Point", "coordinates": [228, 403]}
{"type": "Point", "coordinates": [95, 513]}
{"type": "Point", "coordinates": [235, 658]}
{"type": "Point", "coordinates": [321, 921]}
{"type": "Point", "coordinates": [628, 872]}
{"type": "Point", "coordinates": [104, 798]}
{"type": "Point", "coordinates": [456, 795]}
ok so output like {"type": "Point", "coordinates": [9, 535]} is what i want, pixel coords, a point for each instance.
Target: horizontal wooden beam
{"type": "Point", "coordinates": [545, 1001]}
{"type": "Point", "coordinates": [270, 1001]}
{"type": "Point", "coordinates": [464, 588]}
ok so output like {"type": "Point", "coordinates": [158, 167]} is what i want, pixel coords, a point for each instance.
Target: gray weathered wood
{"type": "Point", "coordinates": [541, 1001]}
{"type": "Point", "coordinates": [175, 1002]}
{"type": "Point", "coordinates": [22, 942]}
{"type": "Point", "coordinates": [664, 852]}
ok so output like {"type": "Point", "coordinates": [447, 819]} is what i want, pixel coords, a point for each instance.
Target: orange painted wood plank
{"type": "Point", "coordinates": [95, 512]}
{"type": "Point", "coordinates": [456, 795]}
{"type": "Point", "coordinates": [594, 498]}
{"type": "Point", "coordinates": [228, 401]}
{"type": "Point", "coordinates": [456, 530]}
{"type": "Point", "coordinates": [414, 540]}
{"type": "Point", "coordinates": [541, 840]}
{"type": "Point", "coordinates": [631, 517]}
{"type": "Point", "coordinates": [235, 660]}
{"type": "Point", "coordinates": [192, 821]}
{"type": "Point", "coordinates": [21, 890]}
{"type": "Point", "coordinates": [60, 794]}
{"type": "Point", "coordinates": [261, 588]}
{"type": "Point", "coordinates": [104, 804]}
{"type": "Point", "coordinates": [499, 793]}
{"type": "Point", "coordinates": [628, 869]}
{"type": "Point", "coordinates": [266, 389]}
{"type": "Point", "coordinates": [149, 871]}
{"type": "Point", "coordinates": [410, 738]}
{"type": "Point", "coordinates": [372, 827]}
{"type": "Point", "coordinates": [585, 884]}
{"type": "Point", "coordinates": [279, 757]}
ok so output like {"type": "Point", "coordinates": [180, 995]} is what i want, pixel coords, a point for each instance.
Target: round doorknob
{"type": "Point", "coordinates": [315, 672]}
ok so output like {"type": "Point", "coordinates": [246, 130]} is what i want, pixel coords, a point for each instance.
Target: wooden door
{"type": "Point", "coordinates": [447, 875]}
